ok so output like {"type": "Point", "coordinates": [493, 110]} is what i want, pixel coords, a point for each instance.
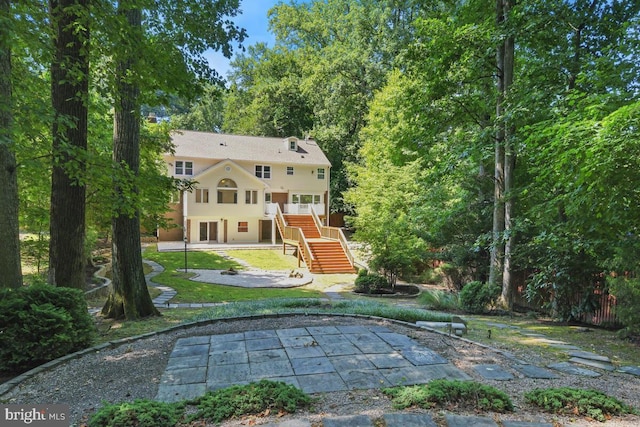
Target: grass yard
{"type": "Point", "coordinates": [110, 330]}
{"type": "Point", "coordinates": [597, 340]}
{"type": "Point", "coordinates": [266, 259]}
{"type": "Point", "coordinates": [190, 291]}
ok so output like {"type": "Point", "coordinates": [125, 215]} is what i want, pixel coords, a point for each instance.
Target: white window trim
{"type": "Point", "coordinates": [200, 191]}
{"type": "Point", "coordinates": [262, 174]}
{"type": "Point", "coordinates": [181, 165]}
{"type": "Point", "coordinates": [253, 197]}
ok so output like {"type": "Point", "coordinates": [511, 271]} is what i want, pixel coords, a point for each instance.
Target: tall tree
{"type": "Point", "coordinates": [10, 268]}
{"type": "Point", "coordinates": [130, 298]}
{"type": "Point", "coordinates": [504, 163]}
{"type": "Point", "coordinates": [158, 53]}
{"type": "Point", "coordinates": [69, 92]}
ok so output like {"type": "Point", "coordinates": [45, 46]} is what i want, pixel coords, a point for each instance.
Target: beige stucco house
{"type": "Point", "coordinates": [240, 182]}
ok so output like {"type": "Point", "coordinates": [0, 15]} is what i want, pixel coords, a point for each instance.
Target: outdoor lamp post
{"type": "Point", "coordinates": [185, 254]}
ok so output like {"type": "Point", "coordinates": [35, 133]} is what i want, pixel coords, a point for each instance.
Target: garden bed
{"type": "Point", "coordinates": [400, 291]}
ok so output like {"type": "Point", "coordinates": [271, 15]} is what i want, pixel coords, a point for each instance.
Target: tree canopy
{"type": "Point", "coordinates": [417, 105]}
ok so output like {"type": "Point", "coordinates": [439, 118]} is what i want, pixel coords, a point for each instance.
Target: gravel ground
{"type": "Point", "coordinates": [133, 370]}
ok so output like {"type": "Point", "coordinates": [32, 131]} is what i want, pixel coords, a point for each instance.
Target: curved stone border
{"type": "Point", "coordinates": [9, 385]}
{"type": "Point", "coordinates": [100, 275]}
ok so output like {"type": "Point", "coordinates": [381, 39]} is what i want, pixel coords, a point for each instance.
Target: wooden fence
{"type": "Point", "coordinates": [603, 315]}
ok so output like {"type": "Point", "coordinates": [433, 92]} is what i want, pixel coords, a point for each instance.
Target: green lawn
{"type": "Point", "coordinates": [190, 291]}
{"type": "Point", "coordinates": [591, 338]}
{"type": "Point", "coordinates": [265, 259]}
{"type": "Point", "coordinates": [110, 330]}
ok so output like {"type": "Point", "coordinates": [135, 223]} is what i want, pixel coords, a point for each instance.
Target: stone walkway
{"type": "Point", "coordinates": [314, 359]}
{"type": "Point", "coordinates": [321, 359]}
{"type": "Point", "coordinates": [580, 362]}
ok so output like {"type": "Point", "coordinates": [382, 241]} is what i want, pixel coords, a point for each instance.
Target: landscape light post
{"type": "Point", "coordinates": [185, 254]}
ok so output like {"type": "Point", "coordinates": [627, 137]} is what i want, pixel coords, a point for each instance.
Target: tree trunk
{"type": "Point", "coordinates": [502, 248]}
{"type": "Point", "coordinates": [497, 242]}
{"type": "Point", "coordinates": [10, 269]}
{"type": "Point", "coordinates": [69, 92]}
{"type": "Point", "coordinates": [130, 297]}
{"type": "Point", "coordinates": [509, 166]}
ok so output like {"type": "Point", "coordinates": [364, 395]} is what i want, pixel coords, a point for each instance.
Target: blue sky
{"type": "Point", "coordinates": [254, 20]}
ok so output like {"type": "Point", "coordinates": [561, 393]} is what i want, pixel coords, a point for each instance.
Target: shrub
{"type": "Point", "coordinates": [255, 398]}
{"type": "Point", "coordinates": [589, 403]}
{"type": "Point", "coordinates": [475, 297]}
{"type": "Point", "coordinates": [627, 293]}
{"type": "Point", "coordinates": [40, 323]}
{"type": "Point", "coordinates": [370, 283]}
{"type": "Point", "coordinates": [438, 299]}
{"type": "Point", "coordinates": [447, 393]}
{"type": "Point", "coordinates": [140, 413]}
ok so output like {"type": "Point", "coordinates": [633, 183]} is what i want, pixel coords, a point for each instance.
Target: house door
{"type": "Point", "coordinates": [224, 225]}
{"type": "Point", "coordinates": [265, 230]}
{"type": "Point", "coordinates": [208, 231]}
{"type": "Point", "coordinates": [280, 198]}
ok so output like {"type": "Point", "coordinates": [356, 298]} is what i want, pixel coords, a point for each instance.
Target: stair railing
{"type": "Point", "coordinates": [296, 235]}
{"type": "Point", "coordinates": [333, 233]}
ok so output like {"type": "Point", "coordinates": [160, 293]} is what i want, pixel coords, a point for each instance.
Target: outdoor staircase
{"type": "Point", "coordinates": [306, 223]}
{"type": "Point", "coordinates": [329, 256]}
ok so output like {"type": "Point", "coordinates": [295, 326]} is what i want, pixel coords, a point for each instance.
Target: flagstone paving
{"type": "Point", "coordinates": [314, 359]}
{"type": "Point", "coordinates": [321, 359]}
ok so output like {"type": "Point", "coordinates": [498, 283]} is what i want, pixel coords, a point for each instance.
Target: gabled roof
{"type": "Point", "coordinates": [236, 168]}
{"type": "Point", "coordinates": [207, 145]}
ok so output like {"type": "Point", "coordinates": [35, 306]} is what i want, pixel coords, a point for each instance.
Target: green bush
{"type": "Point", "coordinates": [255, 398]}
{"type": "Point", "coordinates": [370, 283]}
{"type": "Point", "coordinates": [627, 293]}
{"type": "Point", "coordinates": [447, 392]}
{"type": "Point", "coordinates": [140, 413]}
{"type": "Point", "coordinates": [475, 297]}
{"type": "Point", "coordinates": [437, 299]}
{"type": "Point", "coordinates": [589, 403]}
{"type": "Point", "coordinates": [40, 323]}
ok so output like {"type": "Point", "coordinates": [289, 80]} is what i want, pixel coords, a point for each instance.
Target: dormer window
{"type": "Point", "coordinates": [291, 144]}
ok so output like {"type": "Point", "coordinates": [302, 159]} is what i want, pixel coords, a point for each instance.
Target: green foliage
{"type": "Point", "coordinates": [567, 273]}
{"type": "Point", "coordinates": [370, 283]}
{"type": "Point", "coordinates": [627, 293]}
{"type": "Point", "coordinates": [35, 251]}
{"type": "Point", "coordinates": [624, 284]}
{"type": "Point", "coordinates": [475, 297]}
{"type": "Point", "coordinates": [589, 403]}
{"type": "Point", "coordinates": [313, 305]}
{"type": "Point", "coordinates": [215, 406]}
{"type": "Point", "coordinates": [446, 393]}
{"type": "Point", "coordinates": [204, 115]}
{"type": "Point", "coordinates": [437, 299]}
{"type": "Point", "coordinates": [39, 323]}
{"type": "Point", "coordinates": [385, 221]}
{"type": "Point", "coordinates": [139, 413]}
{"type": "Point", "coordinates": [255, 398]}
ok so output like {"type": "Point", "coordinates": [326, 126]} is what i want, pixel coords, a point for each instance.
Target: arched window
{"type": "Point", "coordinates": [227, 191]}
